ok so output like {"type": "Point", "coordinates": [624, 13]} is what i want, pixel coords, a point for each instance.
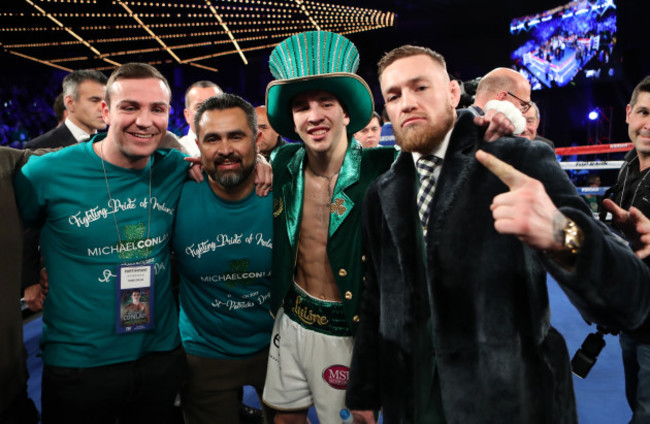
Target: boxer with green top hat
{"type": "Point", "coordinates": [311, 61]}
{"type": "Point", "coordinates": [319, 187]}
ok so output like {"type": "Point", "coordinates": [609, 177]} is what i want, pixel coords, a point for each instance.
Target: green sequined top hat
{"type": "Point", "coordinates": [316, 60]}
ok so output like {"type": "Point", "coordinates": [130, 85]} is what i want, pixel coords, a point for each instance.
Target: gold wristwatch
{"type": "Point", "coordinates": [573, 237]}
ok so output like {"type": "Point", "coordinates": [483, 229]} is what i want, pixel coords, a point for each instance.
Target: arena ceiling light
{"type": "Point", "coordinates": [102, 34]}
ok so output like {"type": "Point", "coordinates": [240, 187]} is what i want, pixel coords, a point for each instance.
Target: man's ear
{"type": "Point", "coordinates": [68, 101]}
{"type": "Point", "coordinates": [187, 116]}
{"type": "Point", "coordinates": [628, 112]}
{"type": "Point", "coordinates": [454, 93]}
{"type": "Point", "coordinates": [105, 112]}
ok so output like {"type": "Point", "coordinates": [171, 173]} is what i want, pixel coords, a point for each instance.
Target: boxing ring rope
{"type": "Point", "coordinates": [595, 164]}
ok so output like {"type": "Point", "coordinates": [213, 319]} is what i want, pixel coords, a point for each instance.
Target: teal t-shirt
{"type": "Point", "coordinates": [224, 259]}
{"type": "Point", "coordinates": [67, 193]}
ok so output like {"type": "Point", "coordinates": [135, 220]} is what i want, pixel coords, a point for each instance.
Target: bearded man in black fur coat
{"type": "Point", "coordinates": [455, 322]}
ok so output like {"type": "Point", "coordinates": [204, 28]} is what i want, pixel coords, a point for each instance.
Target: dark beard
{"type": "Point", "coordinates": [423, 140]}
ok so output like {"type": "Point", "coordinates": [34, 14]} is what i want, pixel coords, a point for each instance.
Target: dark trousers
{"type": "Point", "coordinates": [636, 363]}
{"type": "Point", "coordinates": [213, 391]}
{"type": "Point", "coordinates": [141, 391]}
{"type": "Point", "coordinates": [21, 411]}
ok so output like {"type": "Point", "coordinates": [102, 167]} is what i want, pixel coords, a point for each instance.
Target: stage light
{"type": "Point", "coordinates": [247, 25]}
{"type": "Point", "coordinates": [593, 115]}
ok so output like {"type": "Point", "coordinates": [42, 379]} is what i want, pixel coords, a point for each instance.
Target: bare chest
{"type": "Point", "coordinates": [316, 206]}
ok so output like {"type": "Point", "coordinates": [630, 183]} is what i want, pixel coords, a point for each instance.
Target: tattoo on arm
{"type": "Point", "coordinates": [559, 222]}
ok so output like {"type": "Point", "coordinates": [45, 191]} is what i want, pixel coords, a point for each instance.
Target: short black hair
{"type": "Point", "coordinates": [227, 101]}
{"type": "Point", "coordinates": [643, 86]}
{"type": "Point", "coordinates": [58, 107]}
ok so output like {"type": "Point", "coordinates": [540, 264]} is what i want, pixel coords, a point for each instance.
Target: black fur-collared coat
{"type": "Point", "coordinates": [477, 300]}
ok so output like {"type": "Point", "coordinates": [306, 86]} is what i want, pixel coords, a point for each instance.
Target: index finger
{"type": "Point", "coordinates": [505, 172]}
{"type": "Point", "coordinates": [620, 214]}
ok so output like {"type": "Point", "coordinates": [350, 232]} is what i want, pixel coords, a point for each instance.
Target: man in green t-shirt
{"type": "Point", "coordinates": [106, 210]}
{"type": "Point", "coordinates": [223, 235]}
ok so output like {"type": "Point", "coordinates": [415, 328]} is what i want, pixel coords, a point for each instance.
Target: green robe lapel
{"type": "Point", "coordinates": [292, 196]}
{"type": "Point", "coordinates": [294, 189]}
{"type": "Point", "coordinates": [342, 205]}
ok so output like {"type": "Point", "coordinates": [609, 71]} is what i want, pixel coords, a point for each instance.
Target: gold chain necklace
{"type": "Point", "coordinates": [330, 189]}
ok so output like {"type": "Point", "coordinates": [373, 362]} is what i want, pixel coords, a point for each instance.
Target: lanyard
{"type": "Point", "coordinates": [110, 200]}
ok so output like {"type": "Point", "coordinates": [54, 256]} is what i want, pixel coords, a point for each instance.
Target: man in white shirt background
{"type": "Point", "coordinates": [195, 95]}
{"type": "Point", "coordinates": [83, 92]}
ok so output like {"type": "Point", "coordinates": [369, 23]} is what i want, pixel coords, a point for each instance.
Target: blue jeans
{"type": "Point", "coordinates": [636, 362]}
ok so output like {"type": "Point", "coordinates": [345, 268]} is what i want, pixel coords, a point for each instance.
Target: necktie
{"type": "Point", "coordinates": [425, 166]}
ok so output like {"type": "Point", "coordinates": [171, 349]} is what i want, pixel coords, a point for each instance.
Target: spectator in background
{"type": "Point", "coordinates": [593, 180]}
{"type": "Point", "coordinates": [83, 93]}
{"type": "Point", "coordinates": [507, 85]}
{"type": "Point", "coordinates": [504, 84]}
{"type": "Point", "coordinates": [59, 109]}
{"type": "Point", "coordinates": [532, 124]}
{"type": "Point", "coordinates": [387, 137]}
{"type": "Point", "coordinates": [629, 196]}
{"type": "Point", "coordinates": [270, 140]}
{"type": "Point", "coordinates": [195, 95]}
{"type": "Point", "coordinates": [370, 135]}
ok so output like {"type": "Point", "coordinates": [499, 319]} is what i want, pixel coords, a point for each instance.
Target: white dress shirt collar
{"type": "Point", "coordinates": [77, 133]}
